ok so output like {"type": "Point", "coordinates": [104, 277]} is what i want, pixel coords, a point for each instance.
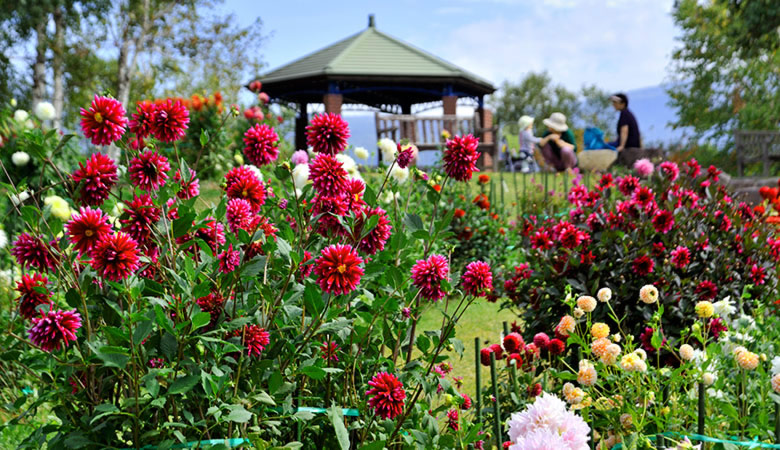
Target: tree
{"type": "Point", "coordinates": [726, 72]}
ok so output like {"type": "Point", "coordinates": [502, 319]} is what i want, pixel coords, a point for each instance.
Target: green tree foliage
{"type": "Point", "coordinates": [538, 96]}
{"type": "Point", "coordinates": [726, 70]}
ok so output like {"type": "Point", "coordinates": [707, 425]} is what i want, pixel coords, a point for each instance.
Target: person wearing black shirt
{"type": "Point", "coordinates": [627, 128]}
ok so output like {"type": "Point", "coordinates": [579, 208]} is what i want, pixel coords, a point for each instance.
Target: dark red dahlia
{"type": "Point", "coordinates": [484, 356]}
{"type": "Point", "coordinates": [306, 269]}
{"type": "Point", "coordinates": [466, 402]}
{"type": "Point", "coordinates": [453, 421]}
{"type": "Point", "coordinates": [427, 275]}
{"type": "Point", "coordinates": [96, 178]}
{"type": "Point", "coordinates": [541, 240]}
{"type": "Point", "coordinates": [116, 257]}
{"type": "Point", "coordinates": [189, 189]}
{"type": "Point", "coordinates": [556, 347]}
{"type": "Point", "coordinates": [261, 141]}
{"type": "Point", "coordinates": [643, 196]}
{"type": "Point", "coordinates": [663, 221]}
{"type": "Point", "coordinates": [514, 358]}
{"type": "Point", "coordinates": [142, 123]}
{"type": "Point", "coordinates": [375, 240]}
{"type": "Point", "coordinates": [606, 181]}
{"type": "Point", "coordinates": [148, 170]}
{"type": "Point", "coordinates": [30, 296]}
{"type": "Point", "coordinates": [329, 350]}
{"type": "Point", "coordinates": [32, 252]}
{"type": "Point", "coordinates": [229, 260]}
{"type": "Point", "coordinates": [142, 214]}
{"type": "Point", "coordinates": [328, 176]}
{"type": "Point", "coordinates": [55, 328]}
{"type": "Point", "coordinates": [327, 210]}
{"type": "Point", "coordinates": [386, 395]}
{"type": "Point", "coordinates": [239, 214]}
{"type": "Point", "coordinates": [757, 275]}
{"type": "Point", "coordinates": [86, 228]}
{"type": "Point", "coordinates": [170, 120]}
{"type": "Point", "coordinates": [460, 157]}
{"type": "Point", "coordinates": [692, 168]}
{"type": "Point", "coordinates": [242, 182]}
{"type": "Point", "coordinates": [706, 290]}
{"type": "Point", "coordinates": [571, 237]}
{"type": "Point", "coordinates": [404, 157]}
{"type": "Point", "coordinates": [327, 133]}
{"type": "Point", "coordinates": [643, 265]}
{"type": "Point", "coordinates": [338, 269]}
{"type": "Point", "coordinates": [354, 194]}
{"type": "Point", "coordinates": [104, 122]}
{"type": "Point", "coordinates": [255, 339]}
{"type": "Point", "coordinates": [658, 249]}
{"type": "Point", "coordinates": [541, 340]}
{"type": "Point", "coordinates": [534, 390]}
{"type": "Point", "coordinates": [680, 257]}
{"type": "Point", "coordinates": [213, 304]}
{"type": "Point", "coordinates": [717, 326]}
{"type": "Point", "coordinates": [498, 350]}
{"type": "Point", "coordinates": [646, 338]}
{"type": "Point", "coordinates": [513, 342]}
{"type": "Point", "coordinates": [478, 279]}
{"type": "Point", "coordinates": [212, 232]}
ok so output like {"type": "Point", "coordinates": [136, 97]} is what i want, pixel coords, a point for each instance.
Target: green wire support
{"type": "Point", "coordinates": [514, 182]}
{"type": "Point", "coordinates": [700, 427]}
{"type": "Point", "coordinates": [777, 423]}
{"type": "Point", "coordinates": [501, 187]}
{"type": "Point", "coordinates": [496, 401]}
{"type": "Point", "coordinates": [478, 395]}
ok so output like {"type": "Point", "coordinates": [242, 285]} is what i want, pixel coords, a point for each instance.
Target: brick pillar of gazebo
{"type": "Point", "coordinates": [333, 99]}
{"type": "Point", "coordinates": [486, 121]}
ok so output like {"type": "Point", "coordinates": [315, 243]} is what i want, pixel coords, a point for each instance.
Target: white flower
{"type": "Point", "coordinates": [20, 159]}
{"type": "Point", "coordinates": [686, 352]}
{"type": "Point", "coordinates": [59, 207]}
{"type": "Point", "coordinates": [13, 103]}
{"type": "Point", "coordinates": [300, 175]}
{"type": "Point", "coordinates": [21, 115]}
{"type": "Point", "coordinates": [17, 199]}
{"type": "Point", "coordinates": [699, 356]}
{"type": "Point", "coordinates": [361, 153]}
{"type": "Point", "coordinates": [44, 111]}
{"type": "Point", "coordinates": [713, 393]}
{"type": "Point", "coordinates": [3, 238]}
{"type": "Point", "coordinates": [400, 175]}
{"type": "Point", "coordinates": [388, 149]}
{"type": "Point", "coordinates": [724, 307]}
{"type": "Point", "coordinates": [746, 323]}
{"type": "Point", "coordinates": [743, 337]}
{"type": "Point", "coordinates": [389, 196]}
{"type": "Point", "coordinates": [604, 294]}
{"type": "Point", "coordinates": [708, 378]}
{"type": "Point", "coordinates": [776, 365]}
{"type": "Point", "coordinates": [256, 170]}
{"type": "Point", "coordinates": [347, 162]}
{"type": "Point", "coordinates": [648, 294]}
{"type": "Point", "coordinates": [355, 176]}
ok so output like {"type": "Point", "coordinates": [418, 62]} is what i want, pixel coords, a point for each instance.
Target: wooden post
{"type": "Point", "coordinates": [497, 401]}
{"type": "Point", "coordinates": [478, 370]}
{"type": "Point", "coordinates": [702, 405]}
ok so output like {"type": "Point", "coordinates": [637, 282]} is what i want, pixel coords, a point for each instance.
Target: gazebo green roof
{"type": "Point", "coordinates": [398, 72]}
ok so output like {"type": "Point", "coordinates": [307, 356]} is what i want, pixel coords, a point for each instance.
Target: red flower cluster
{"type": "Point", "coordinates": [142, 215]}
{"type": "Point", "coordinates": [255, 339]}
{"type": "Point", "coordinates": [32, 252]}
{"type": "Point", "coordinates": [387, 395]}
{"type": "Point", "coordinates": [375, 240]}
{"type": "Point", "coordinates": [242, 182]}
{"type": "Point", "coordinates": [54, 329]}
{"type": "Point", "coordinates": [460, 157]}
{"type": "Point", "coordinates": [86, 229]}
{"type": "Point", "coordinates": [116, 257]}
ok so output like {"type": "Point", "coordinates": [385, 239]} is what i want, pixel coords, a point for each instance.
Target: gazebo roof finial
{"type": "Point", "coordinates": [371, 21]}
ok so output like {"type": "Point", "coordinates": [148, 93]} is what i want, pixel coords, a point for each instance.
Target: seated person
{"type": "Point", "coordinates": [627, 128]}
{"type": "Point", "coordinates": [558, 143]}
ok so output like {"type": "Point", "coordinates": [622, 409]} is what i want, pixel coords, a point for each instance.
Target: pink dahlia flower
{"type": "Point", "coordinates": [148, 170]}
{"type": "Point", "coordinates": [32, 252]}
{"type": "Point", "coordinates": [300, 157]}
{"type": "Point", "coordinates": [142, 215]}
{"type": "Point", "coordinates": [116, 257]}
{"type": "Point", "coordinates": [261, 141]}
{"type": "Point", "coordinates": [328, 175]}
{"type": "Point", "coordinates": [386, 395]}
{"type": "Point", "coordinates": [328, 133]}
{"type": "Point", "coordinates": [170, 120]}
{"type": "Point", "coordinates": [338, 269]}
{"type": "Point", "coordinates": [29, 295]}
{"type": "Point", "coordinates": [643, 167]}
{"type": "Point", "coordinates": [104, 123]}
{"type": "Point", "coordinates": [478, 279]}
{"type": "Point", "coordinates": [460, 157]}
{"type": "Point", "coordinates": [427, 275]}
{"type": "Point", "coordinates": [96, 178]}
{"type": "Point", "coordinates": [52, 330]}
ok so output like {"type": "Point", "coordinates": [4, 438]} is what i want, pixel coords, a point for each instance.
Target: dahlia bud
{"type": "Point", "coordinates": [448, 399]}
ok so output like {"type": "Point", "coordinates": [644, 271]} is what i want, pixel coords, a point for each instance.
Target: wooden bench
{"type": "Point", "coordinates": [756, 147]}
{"type": "Point", "coordinates": [425, 132]}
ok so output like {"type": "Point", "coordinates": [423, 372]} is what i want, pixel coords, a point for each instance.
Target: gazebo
{"type": "Point", "coordinates": [381, 72]}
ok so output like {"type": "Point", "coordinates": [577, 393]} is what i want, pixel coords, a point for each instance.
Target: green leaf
{"type": "Point", "coordinates": [238, 414]}
{"type": "Point", "coordinates": [284, 248]}
{"type": "Point", "coordinates": [337, 419]}
{"type": "Point", "coordinates": [183, 384]}
{"type": "Point", "coordinates": [142, 331]}
{"type": "Point", "coordinates": [413, 222]}
{"type": "Point", "coordinates": [169, 345]}
{"type": "Point", "coordinates": [112, 356]}
{"type": "Point", "coordinates": [204, 137]}
{"type": "Point", "coordinates": [313, 372]}
{"type": "Point", "coordinates": [182, 225]}
{"type": "Point", "coordinates": [201, 319]}
{"type": "Point", "coordinates": [376, 445]}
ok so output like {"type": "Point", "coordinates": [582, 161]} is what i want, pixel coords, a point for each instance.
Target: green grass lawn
{"type": "Point", "coordinates": [483, 320]}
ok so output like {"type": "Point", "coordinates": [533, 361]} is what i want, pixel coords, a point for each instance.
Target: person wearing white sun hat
{"type": "Point", "coordinates": [558, 144]}
{"type": "Point", "coordinates": [523, 160]}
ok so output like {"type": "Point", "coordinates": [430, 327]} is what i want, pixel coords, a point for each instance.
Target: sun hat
{"type": "Point", "coordinates": [556, 121]}
{"type": "Point", "coordinates": [524, 122]}
{"type": "Point", "coordinates": [619, 97]}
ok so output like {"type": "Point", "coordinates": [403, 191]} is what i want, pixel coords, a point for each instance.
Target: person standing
{"type": "Point", "coordinates": [558, 144]}
{"type": "Point", "coordinates": [627, 127]}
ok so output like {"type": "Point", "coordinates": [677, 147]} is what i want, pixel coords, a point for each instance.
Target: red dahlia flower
{"type": "Point", "coordinates": [680, 257]}
{"type": "Point", "coordinates": [53, 329]}
{"type": "Point", "coordinates": [453, 421]}
{"type": "Point", "coordinates": [142, 214]}
{"type": "Point", "coordinates": [338, 269]}
{"type": "Point", "coordinates": [170, 120]}
{"type": "Point", "coordinates": [556, 347]}
{"type": "Point", "coordinates": [541, 240]}
{"type": "Point", "coordinates": [643, 265]}
{"type": "Point", "coordinates": [706, 290]}
{"type": "Point", "coordinates": [644, 196]}
{"type": "Point", "coordinates": [466, 402]}
{"type": "Point", "coordinates": [242, 182]}
{"type": "Point", "coordinates": [514, 358]}
{"type": "Point", "coordinates": [375, 240]}
{"type": "Point", "coordinates": [86, 228]}
{"type": "Point", "coordinates": [541, 340]}
{"type": "Point", "coordinates": [104, 122]}
{"type": "Point", "coordinates": [628, 184]}
{"type": "Point", "coordinates": [427, 275]}
{"type": "Point", "coordinates": [328, 133]}
{"type": "Point", "coordinates": [255, 339]}
{"type": "Point", "coordinates": [669, 170]}
{"type": "Point", "coordinates": [212, 304]}
{"type": "Point", "coordinates": [211, 232]}
{"type": "Point", "coordinates": [148, 169]}
{"type": "Point", "coordinates": [143, 119]}
{"type": "Point", "coordinates": [32, 252]}
{"type": "Point", "coordinates": [404, 157]}
{"type": "Point", "coordinates": [229, 260]}
{"type": "Point", "coordinates": [304, 268]}
{"type": "Point", "coordinates": [328, 350]}
{"type": "Point", "coordinates": [328, 176]}
{"type": "Point", "coordinates": [460, 157]}
{"type": "Point", "coordinates": [116, 257]}
{"type": "Point", "coordinates": [238, 214]}
{"type": "Point", "coordinates": [387, 395]}
{"type": "Point", "coordinates": [663, 221]}
{"type": "Point", "coordinates": [478, 279]}
{"type": "Point", "coordinates": [513, 342]}
{"type": "Point", "coordinates": [29, 298]}
{"type": "Point", "coordinates": [97, 178]}
{"type": "Point", "coordinates": [717, 326]}
{"type": "Point", "coordinates": [692, 168]}
{"type": "Point", "coordinates": [261, 141]}
{"type": "Point", "coordinates": [498, 350]}
{"type": "Point", "coordinates": [189, 189]}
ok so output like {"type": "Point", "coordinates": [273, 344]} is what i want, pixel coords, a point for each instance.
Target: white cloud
{"type": "Point", "coordinates": [618, 46]}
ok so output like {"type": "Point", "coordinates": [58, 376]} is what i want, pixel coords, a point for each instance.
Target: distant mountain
{"type": "Point", "coordinates": [650, 106]}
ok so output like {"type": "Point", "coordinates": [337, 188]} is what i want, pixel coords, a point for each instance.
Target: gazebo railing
{"type": "Point", "coordinates": [423, 131]}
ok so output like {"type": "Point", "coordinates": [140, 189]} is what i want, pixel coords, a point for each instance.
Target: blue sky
{"type": "Point", "coordinates": [615, 44]}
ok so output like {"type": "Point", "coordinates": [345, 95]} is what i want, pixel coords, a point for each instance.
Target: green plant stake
{"type": "Point", "coordinates": [514, 182]}
{"type": "Point", "coordinates": [479, 379]}
{"type": "Point", "coordinates": [777, 423]}
{"type": "Point", "coordinates": [496, 401]}
{"type": "Point", "coordinates": [700, 428]}
{"type": "Point", "coordinates": [501, 186]}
